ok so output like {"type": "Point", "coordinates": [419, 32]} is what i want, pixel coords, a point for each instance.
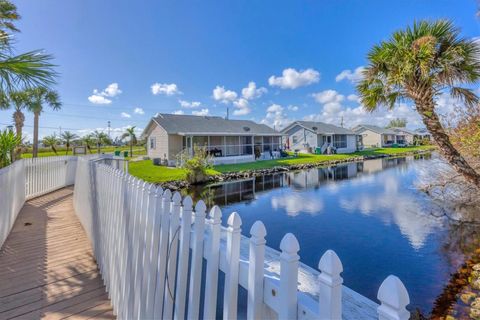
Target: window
{"type": "Point", "coordinates": [294, 139]}
{"type": "Point", "coordinates": [340, 141]}
{"type": "Point", "coordinates": [152, 143]}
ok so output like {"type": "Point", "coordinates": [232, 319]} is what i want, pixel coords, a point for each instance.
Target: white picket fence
{"type": "Point", "coordinates": [151, 247]}
{"type": "Point", "coordinates": [29, 178]}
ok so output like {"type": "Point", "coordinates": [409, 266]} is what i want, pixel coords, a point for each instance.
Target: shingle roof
{"type": "Point", "coordinates": [320, 127]}
{"type": "Point", "coordinates": [397, 129]}
{"type": "Point", "coordinates": [373, 128]}
{"type": "Point", "coordinates": [187, 124]}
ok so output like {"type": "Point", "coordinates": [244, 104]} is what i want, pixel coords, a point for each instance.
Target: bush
{"type": "Point", "coordinates": [196, 165]}
{"type": "Point", "coordinates": [8, 142]}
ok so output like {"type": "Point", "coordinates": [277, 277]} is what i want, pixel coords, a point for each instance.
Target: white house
{"type": "Point", "coordinates": [316, 137]}
{"type": "Point", "coordinates": [374, 136]}
{"type": "Point", "coordinates": [228, 141]}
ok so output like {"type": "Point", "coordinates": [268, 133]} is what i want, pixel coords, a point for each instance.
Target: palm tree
{"type": "Point", "coordinates": [100, 139]}
{"type": "Point", "coordinates": [67, 138]}
{"type": "Point", "coordinates": [130, 133]}
{"type": "Point", "coordinates": [420, 64]}
{"type": "Point", "coordinates": [36, 98]}
{"type": "Point", "coordinates": [51, 141]}
{"type": "Point", "coordinates": [26, 70]}
{"type": "Point", "coordinates": [88, 141]}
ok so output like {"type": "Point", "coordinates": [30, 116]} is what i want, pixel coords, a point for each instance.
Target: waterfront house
{"type": "Point", "coordinates": [227, 141]}
{"type": "Point", "coordinates": [409, 136]}
{"type": "Point", "coordinates": [374, 136]}
{"type": "Point", "coordinates": [423, 134]}
{"type": "Point", "coordinates": [316, 137]}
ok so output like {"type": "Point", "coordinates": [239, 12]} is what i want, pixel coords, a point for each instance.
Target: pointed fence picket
{"type": "Point", "coordinates": [144, 239]}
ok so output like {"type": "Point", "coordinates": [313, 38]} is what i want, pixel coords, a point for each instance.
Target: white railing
{"type": "Point", "coordinates": [12, 196]}
{"type": "Point", "coordinates": [150, 246]}
{"type": "Point", "coordinates": [29, 178]}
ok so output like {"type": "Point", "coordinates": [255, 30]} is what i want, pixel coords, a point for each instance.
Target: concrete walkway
{"type": "Point", "coordinates": [47, 268]}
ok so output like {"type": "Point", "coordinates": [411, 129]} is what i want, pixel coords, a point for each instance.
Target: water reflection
{"type": "Point", "coordinates": [368, 212]}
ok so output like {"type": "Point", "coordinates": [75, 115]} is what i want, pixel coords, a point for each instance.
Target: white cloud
{"type": "Point", "coordinates": [168, 89]}
{"type": "Point", "coordinates": [112, 90]}
{"type": "Point", "coordinates": [138, 111]}
{"type": "Point", "coordinates": [292, 79]}
{"type": "Point", "coordinates": [353, 97]}
{"type": "Point", "coordinates": [98, 99]}
{"type": "Point", "coordinates": [101, 97]}
{"type": "Point", "coordinates": [242, 107]}
{"type": "Point", "coordinates": [251, 91]}
{"type": "Point", "coordinates": [352, 76]}
{"type": "Point", "coordinates": [276, 117]}
{"type": "Point", "coordinates": [178, 112]}
{"type": "Point", "coordinates": [189, 104]}
{"type": "Point", "coordinates": [125, 115]}
{"type": "Point", "coordinates": [203, 112]}
{"type": "Point", "coordinates": [225, 96]}
{"type": "Point", "coordinates": [292, 108]}
{"type": "Point", "coordinates": [328, 96]}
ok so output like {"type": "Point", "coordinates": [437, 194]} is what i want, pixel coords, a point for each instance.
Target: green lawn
{"type": "Point", "coordinates": [145, 170]}
{"type": "Point", "coordinates": [148, 172]}
{"type": "Point", "coordinates": [61, 151]}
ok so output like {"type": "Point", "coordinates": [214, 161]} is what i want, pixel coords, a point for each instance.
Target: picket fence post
{"type": "Point", "coordinates": [162, 253]}
{"type": "Point", "coordinates": [172, 256]}
{"type": "Point", "coordinates": [196, 265]}
{"type": "Point", "coordinates": [288, 277]}
{"type": "Point", "coordinates": [394, 299]}
{"type": "Point", "coordinates": [211, 282]}
{"type": "Point", "coordinates": [231, 274]}
{"type": "Point", "coordinates": [256, 270]}
{"type": "Point", "coordinates": [330, 286]}
{"type": "Point", "coordinates": [180, 296]}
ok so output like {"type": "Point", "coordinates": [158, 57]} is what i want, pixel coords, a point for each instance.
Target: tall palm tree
{"type": "Point", "coordinates": [100, 138]}
{"type": "Point", "coordinates": [420, 64]}
{"type": "Point", "coordinates": [67, 138]}
{"type": "Point", "coordinates": [36, 99]}
{"type": "Point", "coordinates": [51, 141]}
{"type": "Point", "coordinates": [132, 138]}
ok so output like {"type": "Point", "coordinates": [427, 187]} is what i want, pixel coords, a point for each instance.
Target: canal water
{"type": "Point", "coordinates": [370, 213]}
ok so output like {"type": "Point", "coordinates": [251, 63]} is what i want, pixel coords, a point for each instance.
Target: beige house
{"type": "Point", "coordinates": [227, 141]}
{"type": "Point", "coordinates": [377, 137]}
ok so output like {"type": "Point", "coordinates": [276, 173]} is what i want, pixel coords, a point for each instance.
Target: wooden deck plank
{"type": "Point", "coordinates": [47, 268]}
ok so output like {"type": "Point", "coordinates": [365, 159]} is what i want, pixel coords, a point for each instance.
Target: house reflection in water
{"type": "Point", "coordinates": [230, 192]}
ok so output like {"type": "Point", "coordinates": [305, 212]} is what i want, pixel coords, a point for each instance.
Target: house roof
{"type": "Point", "coordinates": [319, 127]}
{"type": "Point", "coordinates": [373, 128]}
{"type": "Point", "coordinates": [209, 125]}
{"type": "Point", "coordinates": [398, 129]}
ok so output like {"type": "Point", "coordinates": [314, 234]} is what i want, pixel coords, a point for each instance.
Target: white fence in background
{"type": "Point", "coordinates": [151, 247]}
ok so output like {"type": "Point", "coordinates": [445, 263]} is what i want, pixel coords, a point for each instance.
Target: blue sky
{"type": "Point", "coordinates": [293, 52]}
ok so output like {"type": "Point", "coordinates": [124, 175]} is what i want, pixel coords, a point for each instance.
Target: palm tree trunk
{"type": "Point", "coordinates": [426, 110]}
{"type": "Point", "coordinates": [19, 119]}
{"type": "Point", "coordinates": [131, 148]}
{"type": "Point", "coordinates": [36, 115]}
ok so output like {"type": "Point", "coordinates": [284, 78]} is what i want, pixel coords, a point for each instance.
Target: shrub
{"type": "Point", "coordinates": [8, 142]}
{"type": "Point", "coordinates": [196, 165]}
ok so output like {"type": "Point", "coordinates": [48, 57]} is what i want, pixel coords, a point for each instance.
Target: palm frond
{"type": "Point", "coordinates": [467, 96]}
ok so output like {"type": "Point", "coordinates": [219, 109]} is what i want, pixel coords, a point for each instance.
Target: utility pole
{"type": "Point", "coordinates": [341, 122]}
{"type": "Point", "coordinates": [228, 111]}
{"type": "Point", "coordinates": [60, 129]}
{"type": "Point", "coordinates": [109, 129]}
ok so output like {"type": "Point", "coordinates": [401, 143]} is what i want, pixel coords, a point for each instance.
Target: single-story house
{"type": "Point", "coordinates": [374, 136]}
{"type": "Point", "coordinates": [410, 136]}
{"type": "Point", "coordinates": [228, 141]}
{"type": "Point", "coordinates": [316, 137]}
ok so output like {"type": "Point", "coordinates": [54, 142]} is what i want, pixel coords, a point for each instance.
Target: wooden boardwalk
{"type": "Point", "coordinates": [47, 268]}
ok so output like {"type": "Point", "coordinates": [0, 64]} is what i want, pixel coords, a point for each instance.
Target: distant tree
{"type": "Point", "coordinates": [419, 64]}
{"type": "Point", "coordinates": [132, 138]}
{"type": "Point", "coordinates": [52, 142]}
{"type": "Point", "coordinates": [398, 122]}
{"type": "Point", "coordinates": [100, 139]}
{"type": "Point", "coordinates": [36, 99]}
{"type": "Point", "coordinates": [67, 138]}
{"type": "Point", "coordinates": [88, 141]}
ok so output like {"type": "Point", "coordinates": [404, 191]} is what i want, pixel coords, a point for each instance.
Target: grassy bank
{"type": "Point", "coordinates": [157, 174]}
